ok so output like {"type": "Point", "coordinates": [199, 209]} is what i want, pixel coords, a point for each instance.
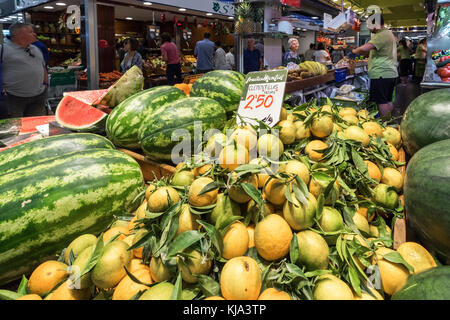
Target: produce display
{"type": "Point", "coordinates": [426, 120]}
{"type": "Point", "coordinates": [305, 210]}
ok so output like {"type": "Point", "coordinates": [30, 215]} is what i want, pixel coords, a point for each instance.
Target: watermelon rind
{"type": "Point", "coordinates": [427, 196]}
{"type": "Point", "coordinates": [28, 154]}
{"type": "Point", "coordinates": [129, 84]}
{"type": "Point", "coordinates": [426, 120]}
{"type": "Point", "coordinates": [122, 124]}
{"type": "Point", "coordinates": [224, 86]}
{"type": "Point", "coordinates": [156, 131]}
{"type": "Point", "coordinates": [432, 284]}
{"type": "Point", "coordinates": [44, 207]}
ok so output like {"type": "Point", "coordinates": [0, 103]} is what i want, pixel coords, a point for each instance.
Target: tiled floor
{"type": "Point", "coordinates": [405, 94]}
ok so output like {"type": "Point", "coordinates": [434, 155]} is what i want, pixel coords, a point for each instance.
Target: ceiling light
{"type": "Point", "coordinates": [49, 7]}
{"type": "Point", "coordinates": [230, 17]}
{"type": "Point", "coordinates": [209, 14]}
{"type": "Point", "coordinates": [314, 18]}
{"type": "Point", "coordinates": [61, 4]}
{"type": "Point", "coordinates": [182, 9]}
{"type": "Point", "coordinates": [129, 18]}
{"type": "Point", "coordinates": [147, 3]}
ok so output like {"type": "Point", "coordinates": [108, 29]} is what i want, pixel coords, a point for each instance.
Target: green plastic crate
{"type": "Point", "coordinates": [62, 79]}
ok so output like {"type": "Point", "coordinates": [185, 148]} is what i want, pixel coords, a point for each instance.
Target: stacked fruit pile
{"type": "Point", "coordinates": [302, 214]}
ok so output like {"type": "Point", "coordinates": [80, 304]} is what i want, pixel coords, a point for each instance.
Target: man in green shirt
{"type": "Point", "coordinates": [382, 69]}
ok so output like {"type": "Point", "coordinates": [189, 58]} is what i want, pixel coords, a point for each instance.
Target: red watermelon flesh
{"type": "Point", "coordinates": [79, 116]}
{"type": "Point", "coordinates": [90, 97]}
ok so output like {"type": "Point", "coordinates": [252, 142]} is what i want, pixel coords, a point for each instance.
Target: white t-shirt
{"type": "Point", "coordinates": [230, 61]}
{"type": "Point", "coordinates": [219, 60]}
{"type": "Point", "coordinates": [321, 56]}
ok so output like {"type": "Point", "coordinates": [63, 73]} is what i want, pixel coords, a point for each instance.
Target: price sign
{"type": "Point", "coordinates": [262, 97]}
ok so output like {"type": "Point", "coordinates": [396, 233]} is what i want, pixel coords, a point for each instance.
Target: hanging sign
{"type": "Point", "coordinates": [74, 17]}
{"type": "Point", "coordinates": [262, 97]}
{"type": "Point", "coordinates": [22, 4]}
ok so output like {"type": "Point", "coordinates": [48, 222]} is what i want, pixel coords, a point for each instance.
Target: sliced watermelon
{"type": "Point", "coordinates": [77, 115]}
{"type": "Point", "coordinates": [90, 97]}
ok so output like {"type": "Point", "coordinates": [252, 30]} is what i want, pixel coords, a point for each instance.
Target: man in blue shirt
{"type": "Point", "coordinates": [204, 51]}
{"type": "Point", "coordinates": [252, 58]}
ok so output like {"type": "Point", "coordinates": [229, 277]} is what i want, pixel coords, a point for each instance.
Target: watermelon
{"type": "Point", "coordinates": [45, 206]}
{"type": "Point", "coordinates": [30, 153]}
{"type": "Point", "coordinates": [129, 84]}
{"type": "Point", "coordinates": [426, 120]}
{"type": "Point", "coordinates": [433, 284]}
{"type": "Point", "coordinates": [90, 97]}
{"type": "Point", "coordinates": [427, 196]}
{"type": "Point", "coordinates": [224, 86]}
{"type": "Point", "coordinates": [122, 124]}
{"type": "Point", "coordinates": [76, 115]}
{"type": "Point", "coordinates": [155, 133]}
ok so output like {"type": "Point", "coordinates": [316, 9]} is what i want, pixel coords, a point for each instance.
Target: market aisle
{"type": "Point", "coordinates": [404, 96]}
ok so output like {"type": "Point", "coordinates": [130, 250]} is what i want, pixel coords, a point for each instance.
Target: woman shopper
{"type": "Point", "coordinates": [132, 57]}
{"type": "Point", "coordinates": [420, 59]}
{"type": "Point", "coordinates": [291, 55]}
{"type": "Point", "coordinates": [170, 55]}
{"type": "Point", "coordinates": [405, 61]}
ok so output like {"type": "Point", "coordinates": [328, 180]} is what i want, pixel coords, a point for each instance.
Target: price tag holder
{"type": "Point", "coordinates": [262, 97]}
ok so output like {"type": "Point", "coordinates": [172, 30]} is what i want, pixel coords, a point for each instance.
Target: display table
{"type": "Point", "coordinates": [296, 85]}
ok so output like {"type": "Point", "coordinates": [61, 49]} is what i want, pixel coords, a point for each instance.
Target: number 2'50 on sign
{"type": "Point", "coordinates": [256, 101]}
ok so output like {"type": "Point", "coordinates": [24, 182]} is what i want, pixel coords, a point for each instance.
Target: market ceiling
{"type": "Point", "coordinates": [396, 12]}
{"type": "Point", "coordinates": [138, 11]}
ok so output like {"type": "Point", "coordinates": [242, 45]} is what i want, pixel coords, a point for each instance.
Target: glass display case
{"type": "Point", "coordinates": [437, 71]}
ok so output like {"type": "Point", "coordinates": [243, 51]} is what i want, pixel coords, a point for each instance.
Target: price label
{"type": "Point", "coordinates": [262, 97]}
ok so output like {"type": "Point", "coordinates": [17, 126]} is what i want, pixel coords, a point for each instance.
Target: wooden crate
{"type": "Point", "coordinates": [151, 169]}
{"type": "Point", "coordinates": [293, 86]}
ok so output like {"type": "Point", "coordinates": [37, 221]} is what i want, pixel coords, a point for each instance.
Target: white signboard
{"type": "Point", "coordinates": [262, 97]}
{"type": "Point", "coordinates": [22, 4]}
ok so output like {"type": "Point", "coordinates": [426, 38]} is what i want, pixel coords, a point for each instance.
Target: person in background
{"type": "Point", "coordinates": [230, 59]}
{"type": "Point", "coordinates": [25, 77]}
{"type": "Point", "coordinates": [132, 57]}
{"type": "Point", "coordinates": [309, 54]}
{"type": "Point", "coordinates": [169, 52]}
{"type": "Point", "coordinates": [382, 67]}
{"type": "Point", "coordinates": [404, 56]}
{"type": "Point", "coordinates": [420, 59]}
{"type": "Point", "coordinates": [291, 55]}
{"type": "Point", "coordinates": [337, 55]}
{"type": "Point", "coordinates": [220, 61]}
{"type": "Point", "coordinates": [259, 45]}
{"type": "Point", "coordinates": [321, 55]}
{"type": "Point", "coordinates": [252, 58]}
{"type": "Point", "coordinates": [44, 50]}
{"type": "Point", "coordinates": [204, 52]}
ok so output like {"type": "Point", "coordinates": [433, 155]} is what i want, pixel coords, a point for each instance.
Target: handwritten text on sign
{"type": "Point", "coordinates": [262, 97]}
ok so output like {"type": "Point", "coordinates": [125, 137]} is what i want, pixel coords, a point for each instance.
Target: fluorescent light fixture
{"type": "Point", "coordinates": [147, 3]}
{"type": "Point", "coordinates": [230, 17]}
{"type": "Point", "coordinates": [61, 4]}
{"type": "Point", "coordinates": [314, 18]}
{"type": "Point", "coordinates": [129, 18]}
{"type": "Point", "coordinates": [182, 9]}
{"type": "Point", "coordinates": [49, 7]}
{"type": "Point", "coordinates": [209, 14]}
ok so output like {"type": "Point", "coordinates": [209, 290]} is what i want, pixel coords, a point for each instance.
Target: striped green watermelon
{"type": "Point", "coordinates": [433, 284]}
{"type": "Point", "coordinates": [426, 120]}
{"type": "Point", "coordinates": [224, 86]}
{"type": "Point", "coordinates": [28, 154]}
{"type": "Point", "coordinates": [156, 130]}
{"type": "Point", "coordinates": [427, 196]}
{"type": "Point", "coordinates": [122, 125]}
{"type": "Point", "coordinates": [44, 207]}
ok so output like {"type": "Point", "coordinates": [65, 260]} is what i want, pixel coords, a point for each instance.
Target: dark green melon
{"type": "Point", "coordinates": [433, 284]}
{"type": "Point", "coordinates": [426, 120]}
{"type": "Point", "coordinates": [427, 196]}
